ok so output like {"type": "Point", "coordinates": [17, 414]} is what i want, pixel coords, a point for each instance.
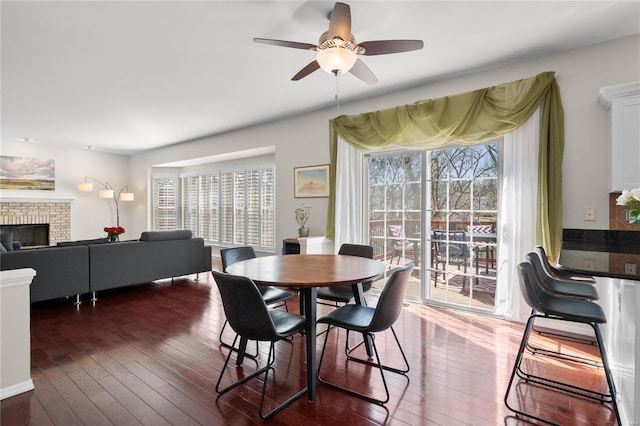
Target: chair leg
{"type": "Point", "coordinates": [564, 387]}
{"type": "Point", "coordinates": [237, 382]}
{"type": "Point", "coordinates": [271, 358]}
{"type": "Point", "coordinates": [435, 278]}
{"type": "Point", "coordinates": [265, 369]}
{"type": "Point", "coordinates": [535, 350]}
{"type": "Point", "coordinates": [376, 364]}
{"type": "Point", "coordinates": [232, 347]}
{"type": "Point", "coordinates": [516, 366]}
{"type": "Point", "coordinates": [553, 384]}
{"type": "Point", "coordinates": [403, 371]}
{"type": "Point", "coordinates": [607, 371]}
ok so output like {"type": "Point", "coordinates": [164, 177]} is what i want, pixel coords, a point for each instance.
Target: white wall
{"type": "Point", "coordinates": [89, 214]}
{"type": "Point", "coordinates": [303, 141]}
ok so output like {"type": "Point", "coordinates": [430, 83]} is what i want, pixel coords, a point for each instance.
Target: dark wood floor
{"type": "Point", "coordinates": [150, 354]}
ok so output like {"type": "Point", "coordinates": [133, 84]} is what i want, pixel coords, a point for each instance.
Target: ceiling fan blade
{"type": "Point", "coordinates": [363, 72]}
{"type": "Point", "coordinates": [340, 22]}
{"type": "Point", "coordinates": [383, 47]}
{"type": "Point", "coordinates": [285, 43]}
{"type": "Point", "coordinates": [306, 70]}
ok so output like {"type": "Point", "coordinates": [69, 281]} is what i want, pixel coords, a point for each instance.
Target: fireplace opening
{"type": "Point", "coordinates": [29, 235]}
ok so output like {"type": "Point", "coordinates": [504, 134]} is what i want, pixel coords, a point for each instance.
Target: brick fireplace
{"type": "Point", "coordinates": [55, 213]}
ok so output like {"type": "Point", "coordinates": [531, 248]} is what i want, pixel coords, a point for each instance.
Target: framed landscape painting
{"type": "Point", "coordinates": [311, 181]}
{"type": "Point", "coordinates": [27, 173]}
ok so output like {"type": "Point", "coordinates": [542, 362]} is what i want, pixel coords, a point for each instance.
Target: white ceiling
{"type": "Point", "coordinates": [130, 76]}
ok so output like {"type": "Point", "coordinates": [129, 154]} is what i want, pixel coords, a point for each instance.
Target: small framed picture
{"type": "Point", "coordinates": [311, 181]}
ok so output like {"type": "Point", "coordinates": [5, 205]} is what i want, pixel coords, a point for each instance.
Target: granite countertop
{"type": "Point", "coordinates": [605, 253]}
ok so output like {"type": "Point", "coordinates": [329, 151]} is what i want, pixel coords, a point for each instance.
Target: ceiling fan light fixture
{"type": "Point", "coordinates": [336, 60]}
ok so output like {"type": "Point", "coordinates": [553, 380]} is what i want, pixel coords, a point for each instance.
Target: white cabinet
{"type": "Point", "coordinates": [619, 300]}
{"type": "Point", "coordinates": [623, 101]}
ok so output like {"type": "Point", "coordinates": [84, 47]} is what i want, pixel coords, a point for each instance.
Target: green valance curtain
{"type": "Point", "coordinates": [468, 119]}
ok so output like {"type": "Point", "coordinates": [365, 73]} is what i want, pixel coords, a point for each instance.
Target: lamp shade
{"type": "Point", "coordinates": [85, 187]}
{"type": "Point", "coordinates": [105, 193]}
{"type": "Point", "coordinates": [126, 196]}
{"type": "Point", "coordinates": [336, 60]}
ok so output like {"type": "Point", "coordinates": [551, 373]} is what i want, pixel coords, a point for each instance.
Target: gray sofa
{"type": "Point", "coordinates": [157, 255]}
{"type": "Point", "coordinates": [87, 266]}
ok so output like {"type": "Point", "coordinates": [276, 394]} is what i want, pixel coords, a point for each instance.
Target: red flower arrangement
{"type": "Point", "coordinates": [113, 232]}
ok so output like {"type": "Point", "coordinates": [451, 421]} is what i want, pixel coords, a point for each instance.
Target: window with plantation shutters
{"type": "Point", "coordinates": [230, 208]}
{"type": "Point", "coordinates": [165, 202]}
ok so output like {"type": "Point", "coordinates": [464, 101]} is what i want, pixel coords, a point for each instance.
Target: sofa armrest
{"type": "Point", "coordinates": [60, 271]}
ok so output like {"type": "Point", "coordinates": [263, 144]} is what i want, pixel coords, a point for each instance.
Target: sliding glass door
{"type": "Point", "coordinates": [438, 209]}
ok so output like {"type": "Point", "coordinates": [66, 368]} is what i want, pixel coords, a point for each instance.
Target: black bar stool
{"type": "Point", "coordinates": [546, 305]}
{"type": "Point", "coordinates": [566, 288]}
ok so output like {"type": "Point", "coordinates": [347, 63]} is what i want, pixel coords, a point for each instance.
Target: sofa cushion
{"type": "Point", "coordinates": [83, 242]}
{"type": "Point", "coordinates": [181, 234]}
{"type": "Point", "coordinates": [2, 249]}
{"type": "Point", "coordinates": [6, 239]}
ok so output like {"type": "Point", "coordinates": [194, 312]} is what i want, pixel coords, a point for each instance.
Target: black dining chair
{"type": "Point", "coordinates": [251, 319]}
{"type": "Point", "coordinates": [558, 308]}
{"type": "Point", "coordinates": [344, 293]}
{"type": "Point", "coordinates": [560, 274]}
{"type": "Point", "coordinates": [369, 320]}
{"type": "Point", "coordinates": [273, 296]}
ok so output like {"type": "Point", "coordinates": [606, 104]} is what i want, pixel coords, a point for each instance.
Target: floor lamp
{"type": "Point", "coordinates": [108, 192]}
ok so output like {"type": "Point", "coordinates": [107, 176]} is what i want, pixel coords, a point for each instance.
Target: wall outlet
{"type": "Point", "coordinates": [630, 268]}
{"type": "Point", "coordinates": [590, 214]}
{"type": "Point", "coordinates": [589, 264]}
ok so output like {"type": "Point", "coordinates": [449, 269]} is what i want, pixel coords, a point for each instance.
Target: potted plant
{"type": "Point", "coordinates": [302, 216]}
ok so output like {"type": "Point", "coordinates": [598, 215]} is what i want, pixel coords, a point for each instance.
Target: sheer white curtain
{"type": "Point", "coordinates": [350, 208]}
{"type": "Point", "coordinates": [517, 221]}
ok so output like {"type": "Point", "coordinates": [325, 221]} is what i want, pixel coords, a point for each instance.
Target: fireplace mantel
{"type": "Point", "coordinates": [35, 199]}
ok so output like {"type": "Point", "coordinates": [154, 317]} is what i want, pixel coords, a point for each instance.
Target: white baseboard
{"type": "Point", "coordinates": [16, 389]}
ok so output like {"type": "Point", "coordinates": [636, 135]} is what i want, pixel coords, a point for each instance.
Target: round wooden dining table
{"type": "Point", "coordinates": [307, 272]}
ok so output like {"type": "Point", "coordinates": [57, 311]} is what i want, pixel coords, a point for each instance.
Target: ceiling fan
{"type": "Point", "coordinates": [337, 48]}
